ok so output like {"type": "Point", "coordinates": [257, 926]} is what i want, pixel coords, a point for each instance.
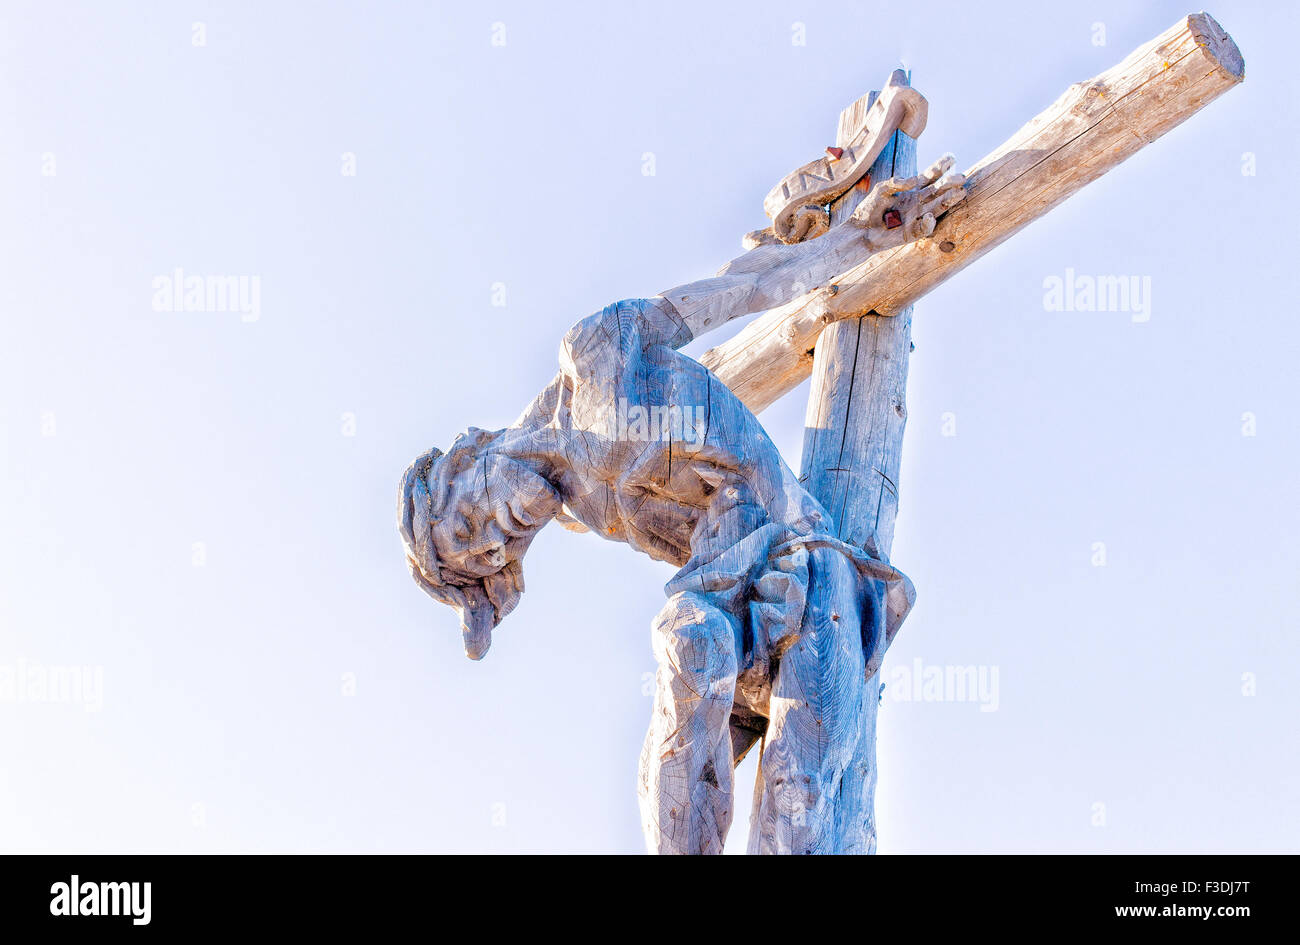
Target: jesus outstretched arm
{"type": "Point", "coordinates": [896, 211]}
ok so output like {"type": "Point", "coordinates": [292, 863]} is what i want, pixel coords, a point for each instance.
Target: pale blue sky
{"type": "Point", "coordinates": [127, 434]}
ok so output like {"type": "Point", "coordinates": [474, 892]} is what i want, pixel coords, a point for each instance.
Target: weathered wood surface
{"type": "Point", "coordinates": [1091, 128]}
{"type": "Point", "coordinates": [853, 437]}
{"type": "Point", "coordinates": [795, 203]}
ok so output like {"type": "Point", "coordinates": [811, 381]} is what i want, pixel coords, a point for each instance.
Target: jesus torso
{"type": "Point", "coordinates": [646, 446]}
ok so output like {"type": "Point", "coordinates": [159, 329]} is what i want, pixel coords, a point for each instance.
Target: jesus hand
{"type": "Point", "coordinates": [902, 210]}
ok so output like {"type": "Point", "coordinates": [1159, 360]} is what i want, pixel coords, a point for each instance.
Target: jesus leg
{"type": "Point", "coordinates": [815, 714]}
{"type": "Point", "coordinates": [685, 785]}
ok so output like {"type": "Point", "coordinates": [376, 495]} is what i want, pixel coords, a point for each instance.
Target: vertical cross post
{"type": "Point", "coordinates": [853, 438]}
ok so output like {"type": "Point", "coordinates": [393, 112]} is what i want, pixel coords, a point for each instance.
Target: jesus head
{"type": "Point", "coordinates": [466, 518]}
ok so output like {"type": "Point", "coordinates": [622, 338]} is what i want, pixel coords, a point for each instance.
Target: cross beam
{"type": "Point", "coordinates": [1092, 127]}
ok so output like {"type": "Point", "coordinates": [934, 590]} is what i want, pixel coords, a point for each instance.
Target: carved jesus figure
{"type": "Point", "coordinates": [769, 617]}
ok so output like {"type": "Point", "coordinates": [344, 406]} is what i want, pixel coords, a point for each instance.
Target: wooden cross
{"type": "Point", "coordinates": [855, 340]}
{"type": "Point", "coordinates": [778, 615]}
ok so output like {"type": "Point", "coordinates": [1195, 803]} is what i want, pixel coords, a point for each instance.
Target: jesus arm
{"type": "Point", "coordinates": [776, 273]}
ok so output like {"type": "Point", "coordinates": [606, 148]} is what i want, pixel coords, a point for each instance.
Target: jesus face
{"type": "Point", "coordinates": [466, 519]}
{"type": "Point", "coordinates": [469, 538]}
{"type": "Point", "coordinates": [492, 510]}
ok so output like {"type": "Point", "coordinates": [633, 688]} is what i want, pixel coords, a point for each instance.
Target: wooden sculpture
{"type": "Point", "coordinates": [785, 602]}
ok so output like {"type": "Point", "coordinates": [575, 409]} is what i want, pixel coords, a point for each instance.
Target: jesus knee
{"type": "Point", "coordinates": [695, 644]}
